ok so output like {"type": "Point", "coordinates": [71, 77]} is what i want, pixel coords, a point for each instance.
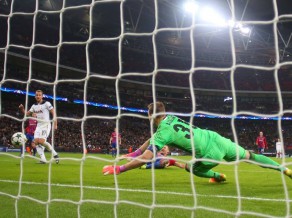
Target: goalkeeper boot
{"type": "Point", "coordinates": [288, 172]}
{"type": "Point", "coordinates": [222, 178]}
{"type": "Point", "coordinates": [109, 169]}
{"type": "Point", "coordinates": [57, 159]}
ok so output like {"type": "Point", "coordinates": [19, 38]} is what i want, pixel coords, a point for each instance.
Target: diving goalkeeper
{"type": "Point", "coordinates": [206, 144]}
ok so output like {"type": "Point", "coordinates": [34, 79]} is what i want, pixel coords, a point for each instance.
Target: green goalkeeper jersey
{"type": "Point", "coordinates": [176, 132]}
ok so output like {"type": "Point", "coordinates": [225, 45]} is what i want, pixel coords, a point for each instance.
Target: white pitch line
{"type": "Point", "coordinates": [148, 191]}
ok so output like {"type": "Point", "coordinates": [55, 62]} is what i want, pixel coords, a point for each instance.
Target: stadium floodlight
{"type": "Point", "coordinates": [245, 30]}
{"type": "Point", "coordinates": [191, 6]}
{"type": "Point", "coordinates": [237, 26]}
{"type": "Point", "coordinates": [209, 15]}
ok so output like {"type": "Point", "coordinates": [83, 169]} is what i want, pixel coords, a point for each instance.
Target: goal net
{"type": "Point", "coordinates": [220, 65]}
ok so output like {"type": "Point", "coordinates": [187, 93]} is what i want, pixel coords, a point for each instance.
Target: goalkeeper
{"type": "Point", "coordinates": [209, 147]}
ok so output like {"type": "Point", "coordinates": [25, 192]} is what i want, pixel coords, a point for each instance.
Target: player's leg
{"type": "Point", "coordinates": [268, 161]}
{"type": "Point", "coordinates": [41, 151]}
{"type": "Point", "coordinates": [279, 152]}
{"type": "Point", "coordinates": [214, 153]}
{"type": "Point", "coordinates": [115, 152]}
{"type": "Point", "coordinates": [30, 138]}
{"type": "Point", "coordinates": [204, 169]}
{"type": "Point", "coordinates": [33, 148]}
{"type": "Point", "coordinates": [51, 149]}
{"type": "Point", "coordinates": [234, 151]}
{"type": "Point", "coordinates": [113, 149]}
{"type": "Point", "coordinates": [44, 133]}
{"type": "Point", "coordinates": [39, 148]}
{"type": "Point", "coordinates": [21, 151]}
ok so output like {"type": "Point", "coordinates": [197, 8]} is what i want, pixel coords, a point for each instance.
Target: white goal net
{"type": "Point", "coordinates": [221, 65]}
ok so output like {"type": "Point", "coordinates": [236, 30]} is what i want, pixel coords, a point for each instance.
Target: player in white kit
{"type": "Point", "coordinates": [42, 109]}
{"type": "Point", "coordinates": [279, 148]}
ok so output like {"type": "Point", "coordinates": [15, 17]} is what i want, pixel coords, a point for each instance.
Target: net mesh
{"type": "Point", "coordinates": [120, 40]}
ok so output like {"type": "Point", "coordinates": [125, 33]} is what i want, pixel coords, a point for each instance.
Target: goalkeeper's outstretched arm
{"type": "Point", "coordinates": [138, 152]}
{"type": "Point", "coordinates": [139, 161]}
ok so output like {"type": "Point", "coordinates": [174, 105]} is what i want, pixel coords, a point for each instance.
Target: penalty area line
{"type": "Point", "coordinates": [146, 191]}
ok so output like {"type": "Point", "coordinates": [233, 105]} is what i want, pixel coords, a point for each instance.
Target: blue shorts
{"type": "Point", "coordinates": [29, 137]}
{"type": "Point", "coordinates": [157, 164]}
{"type": "Point", "coordinates": [261, 150]}
{"type": "Point", "coordinates": [114, 145]}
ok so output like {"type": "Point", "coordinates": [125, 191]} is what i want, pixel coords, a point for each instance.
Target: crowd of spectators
{"type": "Point", "coordinates": [94, 133]}
{"type": "Point", "coordinates": [100, 91]}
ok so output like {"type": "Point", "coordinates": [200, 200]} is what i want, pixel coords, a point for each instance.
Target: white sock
{"type": "Point", "coordinates": [40, 150]}
{"type": "Point", "coordinates": [50, 148]}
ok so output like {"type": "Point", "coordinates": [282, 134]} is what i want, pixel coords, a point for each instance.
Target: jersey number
{"type": "Point", "coordinates": [44, 132]}
{"type": "Point", "coordinates": [178, 127]}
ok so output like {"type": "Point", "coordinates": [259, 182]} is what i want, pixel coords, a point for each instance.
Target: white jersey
{"type": "Point", "coordinates": [42, 110]}
{"type": "Point", "coordinates": [279, 146]}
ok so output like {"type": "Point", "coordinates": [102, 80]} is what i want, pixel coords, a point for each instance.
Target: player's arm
{"type": "Point", "coordinates": [52, 111]}
{"type": "Point", "coordinates": [110, 141]}
{"type": "Point", "coordinates": [160, 138]}
{"type": "Point", "coordinates": [144, 146]}
{"type": "Point", "coordinates": [173, 162]}
{"type": "Point", "coordinates": [138, 152]}
{"type": "Point", "coordinates": [257, 141]}
{"type": "Point", "coordinates": [141, 160]}
{"type": "Point", "coordinates": [179, 165]}
{"type": "Point", "coordinates": [21, 108]}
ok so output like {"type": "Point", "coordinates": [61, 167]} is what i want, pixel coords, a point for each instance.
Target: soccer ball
{"type": "Point", "coordinates": [18, 139]}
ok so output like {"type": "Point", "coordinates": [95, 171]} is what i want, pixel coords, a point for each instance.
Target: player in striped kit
{"type": "Point", "coordinates": [42, 109]}
{"type": "Point", "coordinates": [29, 133]}
{"type": "Point", "coordinates": [114, 139]}
{"type": "Point", "coordinates": [206, 144]}
{"type": "Point", "coordinates": [261, 142]}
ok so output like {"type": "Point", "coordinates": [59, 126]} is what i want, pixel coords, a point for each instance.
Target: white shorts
{"type": "Point", "coordinates": [279, 149]}
{"type": "Point", "coordinates": [42, 132]}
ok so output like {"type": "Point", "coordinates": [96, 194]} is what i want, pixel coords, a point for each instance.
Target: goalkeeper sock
{"type": "Point", "coordinates": [265, 160]}
{"type": "Point", "coordinates": [34, 151]}
{"type": "Point", "coordinates": [50, 148]}
{"type": "Point", "coordinates": [122, 168]}
{"type": "Point", "coordinates": [136, 153]}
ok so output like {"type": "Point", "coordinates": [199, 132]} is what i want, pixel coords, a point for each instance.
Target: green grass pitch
{"type": "Point", "coordinates": [77, 188]}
